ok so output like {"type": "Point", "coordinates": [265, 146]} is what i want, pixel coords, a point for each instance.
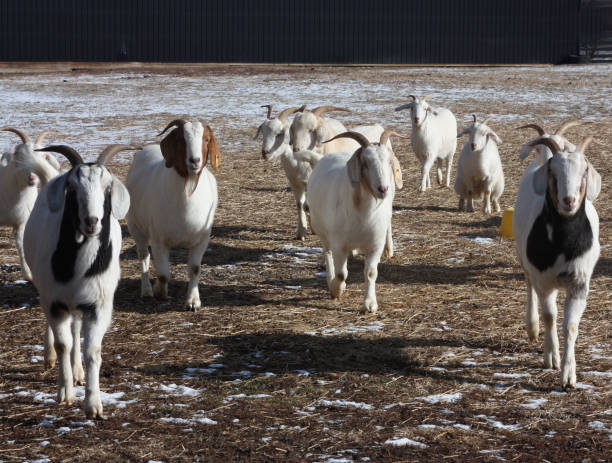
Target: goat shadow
{"type": "Point", "coordinates": [287, 353]}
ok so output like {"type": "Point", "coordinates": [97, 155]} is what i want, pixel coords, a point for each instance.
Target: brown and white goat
{"type": "Point", "coordinates": [174, 198]}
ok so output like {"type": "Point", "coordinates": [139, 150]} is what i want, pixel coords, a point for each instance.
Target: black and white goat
{"type": "Point", "coordinates": [72, 243]}
{"type": "Point", "coordinates": [556, 231]}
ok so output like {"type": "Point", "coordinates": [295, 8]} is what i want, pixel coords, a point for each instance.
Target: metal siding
{"type": "Point", "coordinates": [332, 31]}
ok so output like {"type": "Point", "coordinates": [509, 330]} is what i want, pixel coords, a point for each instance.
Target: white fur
{"type": "Point", "coordinates": [42, 232]}
{"type": "Point", "coordinates": [346, 216]}
{"type": "Point", "coordinates": [21, 172]}
{"type": "Point", "coordinates": [275, 145]}
{"type": "Point", "coordinates": [544, 285]}
{"type": "Point", "coordinates": [166, 212]}
{"type": "Point", "coordinates": [434, 139]}
{"type": "Point", "coordinates": [479, 170]}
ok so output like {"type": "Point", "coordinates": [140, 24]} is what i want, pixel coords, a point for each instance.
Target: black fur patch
{"type": "Point", "coordinates": [65, 254]}
{"type": "Point", "coordinates": [105, 251]}
{"type": "Point", "coordinates": [89, 309]}
{"type": "Point", "coordinates": [58, 309]}
{"type": "Point", "coordinates": [571, 236]}
{"type": "Point", "coordinates": [64, 257]}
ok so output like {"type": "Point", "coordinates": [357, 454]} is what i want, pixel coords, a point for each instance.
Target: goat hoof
{"type": "Point", "coordinates": [369, 306]}
{"type": "Point", "coordinates": [49, 364]}
{"type": "Point", "coordinates": [94, 411]}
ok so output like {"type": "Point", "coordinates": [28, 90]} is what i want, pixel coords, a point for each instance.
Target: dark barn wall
{"type": "Point", "coordinates": [290, 31]}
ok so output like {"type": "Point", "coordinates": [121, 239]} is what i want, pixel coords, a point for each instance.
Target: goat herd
{"type": "Point", "coordinates": [344, 182]}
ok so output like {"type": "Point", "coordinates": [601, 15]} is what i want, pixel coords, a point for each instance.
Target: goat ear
{"type": "Point", "coordinates": [258, 132]}
{"type": "Point", "coordinates": [51, 160]}
{"type": "Point", "coordinates": [593, 180]}
{"type": "Point", "coordinates": [174, 148]}
{"type": "Point", "coordinates": [5, 158]}
{"type": "Point", "coordinates": [56, 192]}
{"type": "Point", "coordinates": [494, 136]}
{"type": "Point", "coordinates": [540, 178]}
{"type": "Point", "coordinates": [120, 199]}
{"type": "Point", "coordinates": [466, 131]}
{"type": "Point", "coordinates": [353, 167]}
{"type": "Point", "coordinates": [212, 150]}
{"type": "Point", "coordinates": [397, 172]}
{"type": "Point", "coordinates": [321, 134]}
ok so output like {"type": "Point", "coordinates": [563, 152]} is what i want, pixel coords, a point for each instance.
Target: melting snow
{"type": "Point", "coordinates": [345, 403]}
{"type": "Point", "coordinates": [511, 375]}
{"type": "Point", "coordinates": [174, 389]}
{"type": "Point", "coordinates": [403, 441]}
{"type": "Point", "coordinates": [446, 398]}
{"type": "Point", "coordinates": [534, 403]}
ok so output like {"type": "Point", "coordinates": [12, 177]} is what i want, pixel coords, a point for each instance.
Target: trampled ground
{"type": "Point", "coordinates": [271, 369]}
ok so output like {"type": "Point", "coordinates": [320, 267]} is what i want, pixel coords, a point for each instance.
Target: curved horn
{"type": "Point", "coordinates": [269, 106]}
{"type": "Point", "coordinates": [474, 116]}
{"type": "Point", "coordinates": [68, 152]}
{"type": "Point", "coordinates": [24, 138]}
{"type": "Point", "coordinates": [549, 142]}
{"type": "Point", "coordinates": [566, 126]}
{"type": "Point", "coordinates": [109, 152]}
{"type": "Point", "coordinates": [323, 109]}
{"type": "Point", "coordinates": [384, 137]}
{"type": "Point", "coordinates": [358, 137]}
{"type": "Point", "coordinates": [536, 127]}
{"type": "Point", "coordinates": [301, 109]}
{"type": "Point", "coordinates": [414, 98]}
{"type": "Point", "coordinates": [585, 143]}
{"type": "Point", "coordinates": [283, 114]}
{"type": "Point", "coordinates": [42, 137]}
{"type": "Point", "coordinates": [490, 118]}
{"type": "Point", "coordinates": [176, 122]}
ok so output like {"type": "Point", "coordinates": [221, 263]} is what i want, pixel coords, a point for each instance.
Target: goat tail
{"type": "Point", "coordinates": [308, 156]}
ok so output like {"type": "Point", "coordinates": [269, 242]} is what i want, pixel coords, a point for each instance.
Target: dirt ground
{"type": "Point", "coordinates": [271, 369]}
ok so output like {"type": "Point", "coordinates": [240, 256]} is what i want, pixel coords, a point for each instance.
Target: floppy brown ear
{"type": "Point", "coordinates": [212, 149]}
{"type": "Point", "coordinates": [174, 151]}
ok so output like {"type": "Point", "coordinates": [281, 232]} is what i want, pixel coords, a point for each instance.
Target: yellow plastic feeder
{"type": "Point", "coordinates": [505, 229]}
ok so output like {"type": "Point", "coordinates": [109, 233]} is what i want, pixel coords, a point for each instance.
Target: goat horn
{"type": "Point", "coordinates": [585, 143]}
{"type": "Point", "coordinates": [301, 109]}
{"type": "Point", "coordinates": [549, 142]}
{"type": "Point", "coordinates": [358, 137]}
{"type": "Point", "coordinates": [414, 98]}
{"type": "Point", "coordinates": [175, 122]}
{"type": "Point", "coordinates": [68, 152]}
{"type": "Point", "coordinates": [384, 137]}
{"type": "Point", "coordinates": [24, 138]}
{"type": "Point", "coordinates": [42, 136]}
{"type": "Point", "coordinates": [536, 127]}
{"type": "Point", "coordinates": [566, 126]}
{"type": "Point", "coordinates": [490, 118]}
{"type": "Point", "coordinates": [323, 109]}
{"type": "Point", "coordinates": [110, 151]}
{"type": "Point", "coordinates": [474, 116]}
{"type": "Point", "coordinates": [283, 114]}
{"type": "Point", "coordinates": [269, 106]}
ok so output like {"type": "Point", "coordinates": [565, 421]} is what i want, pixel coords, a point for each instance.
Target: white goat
{"type": "Point", "coordinates": [309, 130]}
{"type": "Point", "coordinates": [434, 138]}
{"type": "Point", "coordinates": [275, 144]}
{"type": "Point", "coordinates": [350, 198]}
{"type": "Point", "coordinates": [20, 170]}
{"type": "Point", "coordinates": [479, 170]}
{"type": "Point", "coordinates": [72, 243]}
{"type": "Point", "coordinates": [556, 230]}
{"type": "Point", "coordinates": [174, 198]}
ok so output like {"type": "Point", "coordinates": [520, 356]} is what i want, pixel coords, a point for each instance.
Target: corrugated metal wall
{"type": "Point", "coordinates": [290, 31]}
